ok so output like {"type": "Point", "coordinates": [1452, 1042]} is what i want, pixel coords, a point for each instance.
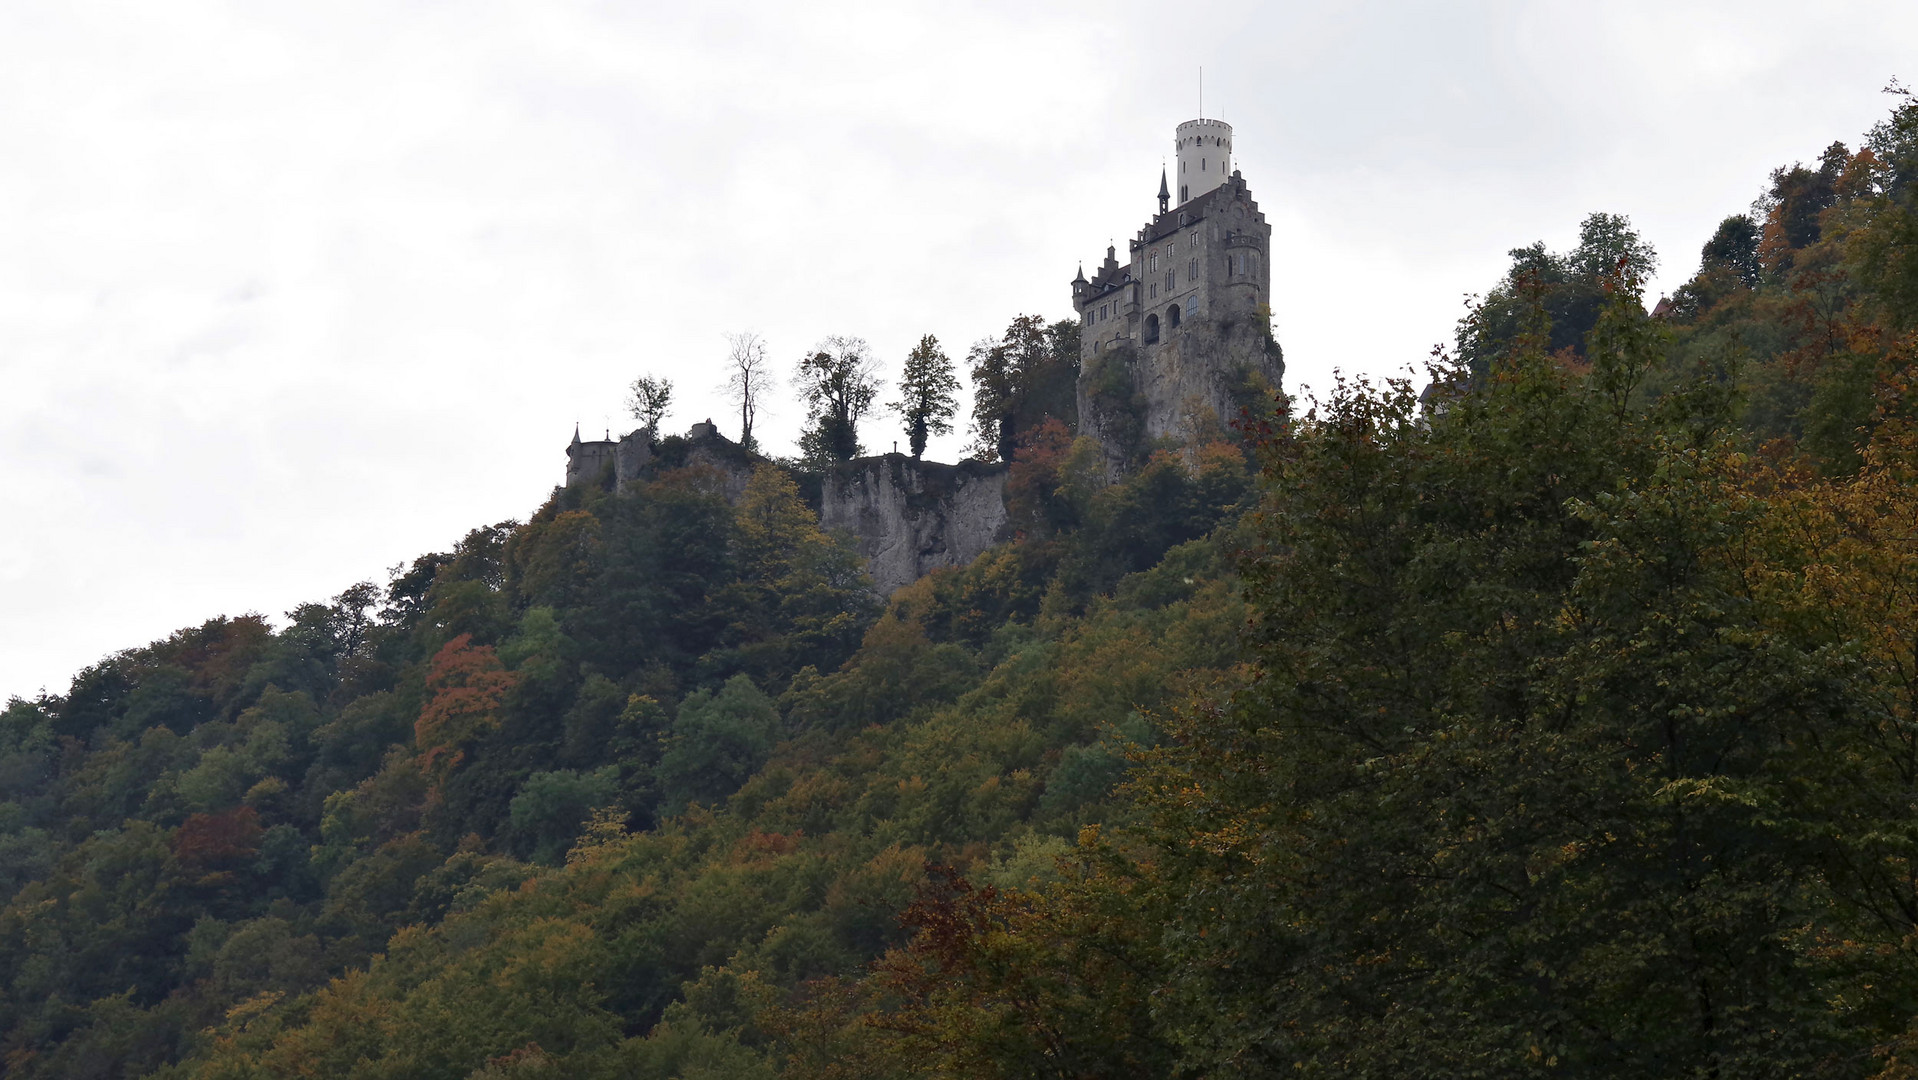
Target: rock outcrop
{"type": "Point", "coordinates": [910, 517]}
{"type": "Point", "coordinates": [1186, 387]}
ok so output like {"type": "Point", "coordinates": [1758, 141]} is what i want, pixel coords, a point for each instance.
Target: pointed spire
{"type": "Point", "coordinates": [1081, 279]}
{"type": "Point", "coordinates": [1165, 191]}
{"type": "Point", "coordinates": [575, 441]}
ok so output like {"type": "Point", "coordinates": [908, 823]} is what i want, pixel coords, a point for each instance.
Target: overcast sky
{"type": "Point", "coordinates": [290, 293]}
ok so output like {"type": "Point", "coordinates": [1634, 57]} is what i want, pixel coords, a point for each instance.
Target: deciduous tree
{"type": "Point", "coordinates": [1019, 379]}
{"type": "Point", "coordinates": [838, 380]}
{"type": "Point", "coordinates": [649, 400]}
{"type": "Point", "coordinates": [749, 378]}
{"type": "Point", "coordinates": [927, 394]}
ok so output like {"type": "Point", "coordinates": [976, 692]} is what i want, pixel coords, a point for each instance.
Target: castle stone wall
{"type": "Point", "coordinates": [630, 458]}
{"type": "Point", "coordinates": [586, 462]}
{"type": "Point", "coordinates": [909, 517]}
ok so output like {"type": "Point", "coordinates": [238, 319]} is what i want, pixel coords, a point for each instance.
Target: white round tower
{"type": "Point", "coordinates": [1205, 158]}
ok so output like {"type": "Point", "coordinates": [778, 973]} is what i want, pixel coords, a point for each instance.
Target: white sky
{"type": "Point", "coordinates": [290, 293]}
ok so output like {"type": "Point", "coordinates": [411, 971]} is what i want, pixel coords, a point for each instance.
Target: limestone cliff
{"type": "Point", "coordinates": [1188, 385]}
{"type": "Point", "coordinates": [910, 517]}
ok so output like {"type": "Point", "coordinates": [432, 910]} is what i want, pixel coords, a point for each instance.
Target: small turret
{"type": "Point", "coordinates": [1165, 193]}
{"type": "Point", "coordinates": [586, 461]}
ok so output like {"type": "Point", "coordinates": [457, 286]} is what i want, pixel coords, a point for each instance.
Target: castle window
{"type": "Point", "coordinates": [1201, 163]}
{"type": "Point", "coordinates": [1104, 311]}
{"type": "Point", "coordinates": [1151, 329]}
{"type": "Point", "coordinates": [1153, 290]}
{"type": "Point", "coordinates": [1172, 317]}
{"type": "Point", "coordinates": [1192, 270]}
{"type": "Point", "coordinates": [1152, 261]}
{"type": "Point", "coordinates": [1170, 280]}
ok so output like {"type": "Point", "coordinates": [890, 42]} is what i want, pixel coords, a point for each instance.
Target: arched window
{"type": "Point", "coordinates": [1172, 317]}
{"type": "Point", "coordinates": [1151, 329]}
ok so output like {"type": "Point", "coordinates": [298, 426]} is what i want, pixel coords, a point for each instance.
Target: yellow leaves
{"type": "Point", "coordinates": [604, 839]}
{"type": "Point", "coordinates": [252, 1008]}
{"type": "Point", "coordinates": [1838, 554]}
{"type": "Point", "coordinates": [1703, 789]}
{"type": "Point", "coordinates": [757, 846]}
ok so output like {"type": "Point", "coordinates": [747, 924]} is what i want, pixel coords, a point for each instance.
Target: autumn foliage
{"type": "Point", "coordinates": [1555, 719]}
{"type": "Point", "coordinates": [467, 685]}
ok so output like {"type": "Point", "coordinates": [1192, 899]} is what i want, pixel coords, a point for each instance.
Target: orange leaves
{"type": "Point", "coordinates": [1032, 483]}
{"type": "Point", "coordinates": [1774, 248]}
{"type": "Point", "coordinates": [213, 848]}
{"type": "Point", "coordinates": [468, 684]}
{"type": "Point", "coordinates": [211, 841]}
{"type": "Point", "coordinates": [757, 845]}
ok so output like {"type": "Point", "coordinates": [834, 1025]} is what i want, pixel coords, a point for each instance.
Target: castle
{"type": "Point", "coordinates": [1176, 338]}
{"type": "Point", "coordinates": [1173, 342]}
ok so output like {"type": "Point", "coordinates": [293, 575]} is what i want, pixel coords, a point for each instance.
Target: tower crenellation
{"type": "Point", "coordinates": [1204, 149]}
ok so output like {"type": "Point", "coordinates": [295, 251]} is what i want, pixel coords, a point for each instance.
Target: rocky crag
{"type": "Point", "coordinates": [1175, 341]}
{"type": "Point", "coordinates": [907, 518]}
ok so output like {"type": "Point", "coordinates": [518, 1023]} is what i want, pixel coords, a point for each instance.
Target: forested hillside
{"type": "Point", "coordinates": [1559, 720]}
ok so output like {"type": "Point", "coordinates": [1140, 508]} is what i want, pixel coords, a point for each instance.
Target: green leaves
{"type": "Point", "coordinates": [928, 392]}
{"type": "Point", "coordinates": [1531, 779]}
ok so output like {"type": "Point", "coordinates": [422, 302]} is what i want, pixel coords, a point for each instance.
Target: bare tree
{"type": "Point", "coordinates": [749, 378]}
